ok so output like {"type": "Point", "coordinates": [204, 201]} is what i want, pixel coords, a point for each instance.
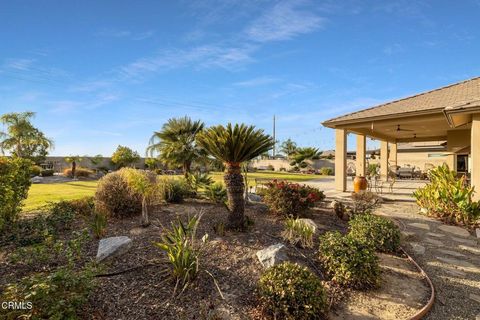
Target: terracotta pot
{"type": "Point", "coordinates": [360, 184]}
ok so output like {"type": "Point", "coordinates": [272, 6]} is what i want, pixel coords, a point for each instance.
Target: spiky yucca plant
{"type": "Point", "coordinates": [234, 145]}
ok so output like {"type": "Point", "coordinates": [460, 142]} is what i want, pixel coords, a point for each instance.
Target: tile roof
{"type": "Point", "coordinates": [453, 95]}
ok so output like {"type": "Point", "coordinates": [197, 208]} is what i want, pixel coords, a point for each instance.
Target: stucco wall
{"type": "Point", "coordinates": [59, 163]}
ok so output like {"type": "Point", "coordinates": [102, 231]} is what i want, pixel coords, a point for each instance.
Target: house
{"type": "Point", "coordinates": [450, 114]}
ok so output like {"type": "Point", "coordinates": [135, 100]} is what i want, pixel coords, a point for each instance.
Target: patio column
{"type": "Point", "coordinates": [475, 153]}
{"type": "Point", "coordinates": [384, 160]}
{"type": "Point", "coordinates": [361, 150]}
{"type": "Point", "coordinates": [393, 154]}
{"type": "Point", "coordinates": [341, 160]}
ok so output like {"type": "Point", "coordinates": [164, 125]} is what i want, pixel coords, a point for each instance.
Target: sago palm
{"type": "Point", "coordinates": [176, 142]}
{"type": "Point", "coordinates": [234, 145]}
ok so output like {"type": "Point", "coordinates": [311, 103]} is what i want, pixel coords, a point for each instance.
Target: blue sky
{"type": "Point", "coordinates": [104, 73]}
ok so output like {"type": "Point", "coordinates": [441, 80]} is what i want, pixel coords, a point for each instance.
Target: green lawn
{"type": "Point", "coordinates": [40, 194]}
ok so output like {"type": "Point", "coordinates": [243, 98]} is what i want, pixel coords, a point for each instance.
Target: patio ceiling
{"type": "Point", "coordinates": [427, 127]}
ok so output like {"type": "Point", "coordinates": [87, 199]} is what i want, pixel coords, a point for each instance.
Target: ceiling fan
{"type": "Point", "coordinates": [400, 129]}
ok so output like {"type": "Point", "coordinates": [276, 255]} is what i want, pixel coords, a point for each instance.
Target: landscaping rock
{"type": "Point", "coordinates": [423, 226]}
{"type": "Point", "coordinates": [477, 232]}
{"type": "Point", "coordinates": [465, 241]}
{"type": "Point", "coordinates": [469, 249]}
{"type": "Point", "coordinates": [273, 255]}
{"type": "Point", "coordinates": [310, 223]}
{"type": "Point", "coordinates": [36, 179]}
{"type": "Point", "coordinates": [113, 246]}
{"type": "Point", "coordinates": [457, 231]}
{"type": "Point", "coordinates": [417, 248]}
{"type": "Point", "coordinates": [474, 297]}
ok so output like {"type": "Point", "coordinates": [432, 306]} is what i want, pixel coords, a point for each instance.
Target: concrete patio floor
{"type": "Point", "coordinates": [402, 189]}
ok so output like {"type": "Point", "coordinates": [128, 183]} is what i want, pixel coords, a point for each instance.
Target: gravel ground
{"type": "Point", "coordinates": [449, 255]}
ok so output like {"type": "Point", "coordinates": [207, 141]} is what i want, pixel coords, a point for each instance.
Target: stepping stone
{"type": "Point", "coordinates": [423, 226]}
{"type": "Point", "coordinates": [469, 249]}
{"type": "Point", "coordinates": [434, 241]}
{"type": "Point", "coordinates": [273, 255]}
{"type": "Point", "coordinates": [451, 253]}
{"type": "Point", "coordinates": [113, 246]}
{"type": "Point", "coordinates": [417, 248]}
{"type": "Point", "coordinates": [465, 241]}
{"type": "Point", "coordinates": [474, 297]}
{"type": "Point", "coordinates": [455, 273]}
{"type": "Point", "coordinates": [458, 263]}
{"type": "Point", "coordinates": [436, 235]}
{"type": "Point", "coordinates": [457, 231]}
{"type": "Point", "coordinates": [408, 235]}
{"type": "Point", "coordinates": [477, 232]}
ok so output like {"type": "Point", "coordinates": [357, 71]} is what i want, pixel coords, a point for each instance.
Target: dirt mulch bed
{"type": "Point", "coordinates": [146, 292]}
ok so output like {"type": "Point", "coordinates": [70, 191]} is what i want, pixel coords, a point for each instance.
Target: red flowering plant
{"type": "Point", "coordinates": [290, 199]}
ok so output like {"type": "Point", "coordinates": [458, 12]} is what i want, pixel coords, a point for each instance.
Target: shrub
{"type": "Point", "coordinates": [79, 172]}
{"type": "Point", "coordinates": [299, 232]}
{"type": "Point", "coordinates": [35, 170]}
{"type": "Point", "coordinates": [372, 168]}
{"type": "Point", "coordinates": [58, 295]}
{"type": "Point", "coordinates": [199, 180]}
{"type": "Point", "coordinates": [376, 231]}
{"type": "Point", "coordinates": [177, 190]}
{"type": "Point", "coordinates": [182, 249]}
{"type": "Point", "coordinates": [325, 171]}
{"type": "Point", "coordinates": [348, 261]}
{"type": "Point", "coordinates": [270, 167]}
{"type": "Point", "coordinates": [216, 193]}
{"type": "Point", "coordinates": [14, 185]}
{"type": "Point", "coordinates": [148, 186]}
{"type": "Point", "coordinates": [290, 291]}
{"type": "Point", "coordinates": [290, 198]}
{"type": "Point", "coordinates": [448, 197]}
{"type": "Point", "coordinates": [114, 197]}
{"type": "Point", "coordinates": [47, 173]}
{"type": "Point", "coordinates": [364, 202]}
{"type": "Point", "coordinates": [60, 216]}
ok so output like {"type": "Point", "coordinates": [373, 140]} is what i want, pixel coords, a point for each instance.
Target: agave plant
{"type": "Point", "coordinates": [234, 145]}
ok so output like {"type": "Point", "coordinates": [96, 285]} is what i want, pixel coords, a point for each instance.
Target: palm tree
{"type": "Point", "coordinates": [288, 147]}
{"type": "Point", "coordinates": [234, 145]}
{"type": "Point", "coordinates": [176, 142]}
{"type": "Point", "coordinates": [303, 154]}
{"type": "Point", "coordinates": [21, 138]}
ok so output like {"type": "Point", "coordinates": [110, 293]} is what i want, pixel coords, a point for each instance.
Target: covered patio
{"type": "Point", "coordinates": [450, 114]}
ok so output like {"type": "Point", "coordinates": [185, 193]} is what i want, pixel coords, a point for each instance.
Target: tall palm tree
{"type": "Point", "coordinates": [21, 138]}
{"type": "Point", "coordinates": [176, 142]}
{"type": "Point", "coordinates": [234, 145]}
{"type": "Point", "coordinates": [288, 147]}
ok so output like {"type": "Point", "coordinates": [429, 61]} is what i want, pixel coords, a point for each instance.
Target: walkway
{"type": "Point", "coordinates": [449, 255]}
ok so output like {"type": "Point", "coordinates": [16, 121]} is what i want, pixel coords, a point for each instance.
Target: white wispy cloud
{"type": "Point", "coordinates": [18, 64]}
{"type": "Point", "coordinates": [115, 33]}
{"type": "Point", "coordinates": [260, 81]}
{"type": "Point", "coordinates": [197, 57]}
{"type": "Point", "coordinates": [284, 21]}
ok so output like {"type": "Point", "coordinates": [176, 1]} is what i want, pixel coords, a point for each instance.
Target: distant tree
{"type": "Point", "coordinates": [124, 157]}
{"type": "Point", "coordinates": [152, 163]}
{"type": "Point", "coordinates": [288, 147]}
{"type": "Point", "coordinates": [95, 160]}
{"type": "Point", "coordinates": [300, 157]}
{"type": "Point", "coordinates": [234, 145]}
{"type": "Point", "coordinates": [73, 163]}
{"type": "Point", "coordinates": [176, 143]}
{"type": "Point", "coordinates": [22, 139]}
